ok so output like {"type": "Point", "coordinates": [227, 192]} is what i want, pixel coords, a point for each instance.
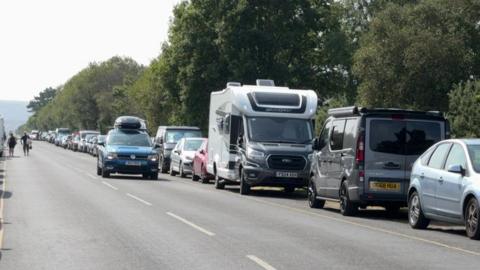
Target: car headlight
{"type": "Point", "coordinates": [153, 157]}
{"type": "Point", "coordinates": [112, 156]}
{"type": "Point", "coordinates": [255, 155]}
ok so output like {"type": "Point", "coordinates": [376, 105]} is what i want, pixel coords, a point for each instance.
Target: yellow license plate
{"type": "Point", "coordinates": [384, 186]}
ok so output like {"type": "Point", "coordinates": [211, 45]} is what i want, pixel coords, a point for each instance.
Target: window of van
{"type": "Point", "coordinates": [325, 133]}
{"type": "Point", "coordinates": [336, 141]}
{"type": "Point", "coordinates": [403, 137]}
{"type": "Point", "coordinates": [349, 137]}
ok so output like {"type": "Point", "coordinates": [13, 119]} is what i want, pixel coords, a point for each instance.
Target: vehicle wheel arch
{"type": "Point", "coordinates": [465, 201]}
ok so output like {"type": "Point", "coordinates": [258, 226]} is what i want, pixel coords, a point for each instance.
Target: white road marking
{"type": "Point", "coordinates": [91, 176]}
{"type": "Point", "coordinates": [261, 262]}
{"type": "Point", "coordinates": [109, 185]}
{"type": "Point", "coordinates": [138, 199]}
{"type": "Point", "coordinates": [191, 224]}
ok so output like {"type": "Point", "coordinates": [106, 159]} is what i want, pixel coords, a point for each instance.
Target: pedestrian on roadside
{"type": "Point", "coordinates": [12, 141]}
{"type": "Point", "coordinates": [26, 144]}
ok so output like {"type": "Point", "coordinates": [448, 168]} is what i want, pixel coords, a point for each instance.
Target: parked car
{"type": "Point", "coordinates": [166, 139]}
{"type": "Point", "coordinates": [364, 156]}
{"type": "Point", "coordinates": [182, 155]}
{"type": "Point", "coordinates": [98, 143]}
{"type": "Point", "coordinates": [84, 137]}
{"type": "Point", "coordinates": [88, 142]}
{"type": "Point", "coordinates": [445, 186]}
{"type": "Point", "coordinates": [75, 142]}
{"type": "Point", "coordinates": [199, 167]}
{"type": "Point", "coordinates": [66, 141]}
{"type": "Point", "coordinates": [128, 150]}
{"type": "Point", "coordinates": [59, 133]}
{"type": "Point", "coordinates": [91, 144]}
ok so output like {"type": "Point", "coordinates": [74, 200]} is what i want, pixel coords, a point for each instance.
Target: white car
{"type": "Point", "coordinates": [182, 156]}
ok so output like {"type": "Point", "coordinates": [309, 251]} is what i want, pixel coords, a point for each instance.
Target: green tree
{"type": "Point", "coordinates": [413, 54]}
{"type": "Point", "coordinates": [42, 99]}
{"type": "Point", "coordinates": [464, 115]}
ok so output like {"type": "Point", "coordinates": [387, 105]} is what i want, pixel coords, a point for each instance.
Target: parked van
{"type": "Point", "coordinates": [59, 133]}
{"type": "Point", "coordinates": [167, 138]}
{"type": "Point", "coordinates": [364, 156]}
{"type": "Point", "coordinates": [3, 135]}
{"type": "Point", "coordinates": [260, 135]}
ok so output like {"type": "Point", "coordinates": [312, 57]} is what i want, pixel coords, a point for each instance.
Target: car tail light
{"type": "Point", "coordinates": [360, 156]}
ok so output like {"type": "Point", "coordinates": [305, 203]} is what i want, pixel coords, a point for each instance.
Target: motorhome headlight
{"type": "Point", "coordinates": [255, 155]}
{"type": "Point", "coordinates": [153, 157]}
{"type": "Point", "coordinates": [111, 156]}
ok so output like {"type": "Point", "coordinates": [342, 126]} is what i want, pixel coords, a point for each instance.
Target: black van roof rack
{"type": "Point", "coordinates": [354, 110]}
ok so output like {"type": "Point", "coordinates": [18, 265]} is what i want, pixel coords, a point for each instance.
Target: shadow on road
{"type": "Point", "coordinates": [299, 194]}
{"type": "Point", "coordinates": [135, 178]}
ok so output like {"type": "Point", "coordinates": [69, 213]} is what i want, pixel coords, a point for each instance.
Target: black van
{"type": "Point", "coordinates": [166, 139]}
{"type": "Point", "coordinates": [363, 157]}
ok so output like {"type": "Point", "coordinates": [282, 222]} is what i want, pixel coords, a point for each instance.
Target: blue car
{"type": "Point", "coordinates": [127, 150]}
{"type": "Point", "coordinates": [445, 186]}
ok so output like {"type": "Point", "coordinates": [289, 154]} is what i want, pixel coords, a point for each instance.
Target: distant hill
{"type": "Point", "coordinates": [15, 113]}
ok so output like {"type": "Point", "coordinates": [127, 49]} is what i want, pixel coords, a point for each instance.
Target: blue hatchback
{"type": "Point", "coordinates": [127, 151]}
{"type": "Point", "coordinates": [445, 185]}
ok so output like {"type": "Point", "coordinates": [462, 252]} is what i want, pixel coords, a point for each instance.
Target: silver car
{"type": "Point", "coordinates": [445, 186]}
{"type": "Point", "coordinates": [182, 156]}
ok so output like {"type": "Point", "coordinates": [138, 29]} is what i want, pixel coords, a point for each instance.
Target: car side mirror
{"type": "Point", "coordinates": [240, 141]}
{"type": "Point", "coordinates": [156, 146]}
{"type": "Point", "coordinates": [315, 144]}
{"type": "Point", "coordinates": [160, 141]}
{"type": "Point", "coordinates": [457, 168]}
{"type": "Point", "coordinates": [101, 143]}
{"type": "Point", "coordinates": [202, 151]}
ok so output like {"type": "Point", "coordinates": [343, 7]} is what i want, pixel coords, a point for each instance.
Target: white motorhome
{"type": "Point", "coordinates": [3, 135]}
{"type": "Point", "coordinates": [261, 135]}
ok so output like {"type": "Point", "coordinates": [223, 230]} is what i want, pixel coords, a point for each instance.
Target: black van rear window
{"type": "Point", "coordinates": [403, 137]}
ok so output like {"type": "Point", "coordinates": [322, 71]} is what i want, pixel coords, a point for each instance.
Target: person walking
{"type": "Point", "coordinates": [12, 141]}
{"type": "Point", "coordinates": [25, 140]}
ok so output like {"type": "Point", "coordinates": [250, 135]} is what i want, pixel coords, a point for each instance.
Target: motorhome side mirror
{"type": "Point", "coordinates": [457, 168]}
{"type": "Point", "coordinates": [240, 141]}
{"type": "Point", "coordinates": [160, 141]}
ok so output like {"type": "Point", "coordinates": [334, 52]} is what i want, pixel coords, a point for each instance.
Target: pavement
{"type": "Point", "coordinates": [58, 214]}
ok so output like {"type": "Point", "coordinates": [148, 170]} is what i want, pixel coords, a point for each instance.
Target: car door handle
{"type": "Point", "coordinates": [422, 175]}
{"type": "Point", "coordinates": [440, 180]}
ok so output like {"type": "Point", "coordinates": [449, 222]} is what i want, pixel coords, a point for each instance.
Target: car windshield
{"type": "Point", "coordinates": [474, 152]}
{"type": "Point", "coordinates": [192, 145]}
{"type": "Point", "coordinates": [279, 130]}
{"type": "Point", "coordinates": [173, 136]}
{"type": "Point", "coordinates": [128, 138]}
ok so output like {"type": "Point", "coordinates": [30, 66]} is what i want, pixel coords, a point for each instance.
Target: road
{"type": "Point", "coordinates": [57, 214]}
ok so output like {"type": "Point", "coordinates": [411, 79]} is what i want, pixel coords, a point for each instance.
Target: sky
{"type": "Point", "coordinates": [43, 43]}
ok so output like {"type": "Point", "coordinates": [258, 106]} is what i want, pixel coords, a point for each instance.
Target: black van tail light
{"type": "Point", "coordinates": [361, 175]}
{"type": "Point", "coordinates": [360, 155]}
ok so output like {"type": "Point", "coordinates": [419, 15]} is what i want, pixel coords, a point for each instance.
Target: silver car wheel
{"type": "Point", "coordinates": [472, 218]}
{"type": "Point", "coordinates": [414, 211]}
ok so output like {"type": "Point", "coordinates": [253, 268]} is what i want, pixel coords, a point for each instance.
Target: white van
{"type": "Point", "coordinates": [261, 135]}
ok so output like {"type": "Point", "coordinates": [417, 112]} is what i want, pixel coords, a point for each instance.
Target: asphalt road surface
{"type": "Point", "coordinates": [57, 214]}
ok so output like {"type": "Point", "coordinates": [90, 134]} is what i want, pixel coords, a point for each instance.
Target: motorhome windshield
{"type": "Point", "coordinates": [279, 130]}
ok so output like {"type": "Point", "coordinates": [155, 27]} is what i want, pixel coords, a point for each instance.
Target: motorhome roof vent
{"type": "Point", "coordinates": [262, 82]}
{"type": "Point", "coordinates": [237, 84]}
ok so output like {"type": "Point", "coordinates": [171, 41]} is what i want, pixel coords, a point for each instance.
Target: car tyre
{"type": "Point", "coordinates": [471, 219]}
{"type": "Point", "coordinates": [172, 172]}
{"type": "Point", "coordinates": [99, 170]}
{"type": "Point", "coordinates": [244, 186]}
{"type": "Point", "coordinates": [219, 184]}
{"type": "Point", "coordinates": [204, 177]}
{"type": "Point", "coordinates": [163, 166]}
{"type": "Point", "coordinates": [416, 218]}
{"type": "Point", "coordinates": [313, 202]}
{"type": "Point", "coordinates": [154, 176]}
{"type": "Point", "coordinates": [105, 173]}
{"type": "Point", "coordinates": [195, 177]}
{"type": "Point", "coordinates": [347, 207]}
{"type": "Point", "coordinates": [181, 171]}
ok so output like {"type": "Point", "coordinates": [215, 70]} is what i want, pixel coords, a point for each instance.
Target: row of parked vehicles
{"type": "Point", "coordinates": [263, 135]}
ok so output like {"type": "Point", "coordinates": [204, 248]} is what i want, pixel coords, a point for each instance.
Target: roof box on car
{"type": "Point", "coordinates": [130, 122]}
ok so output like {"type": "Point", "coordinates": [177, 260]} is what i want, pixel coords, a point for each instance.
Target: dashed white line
{"type": "Point", "coordinates": [138, 199]}
{"type": "Point", "coordinates": [261, 262]}
{"type": "Point", "coordinates": [91, 176]}
{"type": "Point", "coordinates": [109, 185]}
{"type": "Point", "coordinates": [191, 224]}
